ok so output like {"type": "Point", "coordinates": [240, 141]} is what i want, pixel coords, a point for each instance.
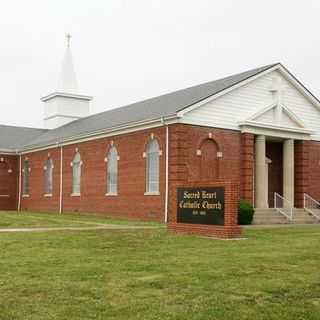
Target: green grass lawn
{"type": "Point", "coordinates": [152, 274]}
{"type": "Point", "coordinates": [12, 219]}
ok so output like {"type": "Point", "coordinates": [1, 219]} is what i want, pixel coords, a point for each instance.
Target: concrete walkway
{"type": "Point", "coordinates": [279, 226]}
{"type": "Point", "coordinates": [97, 227]}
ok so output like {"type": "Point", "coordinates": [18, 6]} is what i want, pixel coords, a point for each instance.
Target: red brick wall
{"type": "Point", "coordinates": [130, 202]}
{"type": "Point", "coordinates": [312, 152]}
{"type": "Point", "coordinates": [184, 165]}
{"type": "Point", "coordinates": [303, 160]}
{"type": "Point", "coordinates": [185, 170]}
{"type": "Point", "coordinates": [247, 166]}
{"type": "Point", "coordinates": [185, 140]}
{"type": "Point", "coordinates": [36, 199]}
{"type": "Point", "coordinates": [9, 182]}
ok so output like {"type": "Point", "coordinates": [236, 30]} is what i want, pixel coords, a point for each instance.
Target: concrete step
{"type": "Point", "coordinates": [268, 216]}
{"type": "Point", "coordinates": [272, 216]}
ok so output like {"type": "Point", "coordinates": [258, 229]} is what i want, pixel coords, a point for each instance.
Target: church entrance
{"type": "Point", "coordinates": [274, 163]}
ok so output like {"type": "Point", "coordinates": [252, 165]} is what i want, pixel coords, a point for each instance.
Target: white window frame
{"type": "Point", "coordinates": [149, 190]}
{"type": "Point", "coordinates": [48, 170]}
{"type": "Point", "coordinates": [109, 162]}
{"type": "Point", "coordinates": [26, 177]}
{"type": "Point", "coordinates": [76, 165]}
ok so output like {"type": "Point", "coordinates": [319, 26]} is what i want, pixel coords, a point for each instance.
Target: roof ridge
{"type": "Point", "coordinates": [165, 105]}
{"type": "Point", "coordinates": [266, 67]}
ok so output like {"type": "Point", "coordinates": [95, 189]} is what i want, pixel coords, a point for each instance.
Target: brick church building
{"type": "Point", "coordinates": [257, 131]}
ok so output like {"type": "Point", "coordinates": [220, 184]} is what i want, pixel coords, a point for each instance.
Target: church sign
{"type": "Point", "coordinates": [201, 205]}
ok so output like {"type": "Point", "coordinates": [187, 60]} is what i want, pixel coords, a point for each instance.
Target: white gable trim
{"type": "Point", "coordinates": [261, 112]}
{"type": "Point", "coordinates": [293, 116]}
{"type": "Point", "coordinates": [284, 72]}
{"type": "Point", "coordinates": [285, 109]}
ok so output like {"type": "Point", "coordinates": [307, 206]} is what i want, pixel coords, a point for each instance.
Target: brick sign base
{"type": "Point", "coordinates": [229, 229]}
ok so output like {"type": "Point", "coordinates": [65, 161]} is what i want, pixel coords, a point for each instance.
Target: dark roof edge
{"type": "Point", "coordinates": [300, 83]}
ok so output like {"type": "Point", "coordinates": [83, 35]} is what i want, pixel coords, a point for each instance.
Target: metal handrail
{"type": "Point", "coordinates": [310, 204]}
{"type": "Point", "coordinates": [282, 205]}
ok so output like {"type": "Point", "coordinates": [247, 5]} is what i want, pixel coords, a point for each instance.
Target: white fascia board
{"type": "Point", "coordinates": [206, 124]}
{"type": "Point", "coordinates": [275, 130]}
{"type": "Point", "coordinates": [8, 152]}
{"type": "Point", "coordinates": [298, 85]}
{"type": "Point", "coordinates": [225, 91]}
{"type": "Point", "coordinates": [274, 133]}
{"type": "Point", "coordinates": [120, 130]}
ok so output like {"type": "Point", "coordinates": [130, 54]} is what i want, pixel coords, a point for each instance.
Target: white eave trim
{"type": "Point", "coordinates": [8, 152]}
{"type": "Point", "coordinates": [66, 95]}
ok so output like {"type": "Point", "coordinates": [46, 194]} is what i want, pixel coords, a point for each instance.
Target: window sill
{"type": "Point", "coordinates": [4, 196]}
{"type": "Point", "coordinates": [75, 194]}
{"type": "Point", "coordinates": [25, 195]}
{"type": "Point", "coordinates": [111, 194]}
{"type": "Point", "coordinates": [47, 195]}
{"type": "Point", "coordinates": [152, 193]}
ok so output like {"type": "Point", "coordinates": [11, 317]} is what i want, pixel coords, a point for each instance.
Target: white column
{"type": "Point", "coordinates": [288, 170]}
{"type": "Point", "coordinates": [260, 172]}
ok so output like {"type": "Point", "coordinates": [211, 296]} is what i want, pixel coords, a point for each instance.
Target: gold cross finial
{"type": "Point", "coordinates": [68, 36]}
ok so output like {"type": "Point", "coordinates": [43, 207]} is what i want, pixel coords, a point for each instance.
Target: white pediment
{"type": "Point", "coordinates": [277, 115]}
{"type": "Point", "coordinates": [277, 121]}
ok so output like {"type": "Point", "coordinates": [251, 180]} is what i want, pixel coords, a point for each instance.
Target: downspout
{"type": "Point", "coordinates": [167, 173]}
{"type": "Point", "coordinates": [19, 192]}
{"type": "Point", "coordinates": [61, 179]}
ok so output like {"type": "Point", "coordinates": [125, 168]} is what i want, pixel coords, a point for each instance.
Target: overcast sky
{"type": "Point", "coordinates": [129, 50]}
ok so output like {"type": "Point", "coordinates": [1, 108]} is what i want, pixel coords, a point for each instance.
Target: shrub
{"type": "Point", "coordinates": [245, 212]}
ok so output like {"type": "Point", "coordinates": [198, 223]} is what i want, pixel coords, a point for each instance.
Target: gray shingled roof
{"type": "Point", "coordinates": [12, 138]}
{"type": "Point", "coordinates": [154, 108]}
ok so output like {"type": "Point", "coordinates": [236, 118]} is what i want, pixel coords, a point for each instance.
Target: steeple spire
{"type": "Point", "coordinates": [65, 104]}
{"type": "Point", "coordinates": [67, 82]}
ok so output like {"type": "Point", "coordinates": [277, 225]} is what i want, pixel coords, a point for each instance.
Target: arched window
{"type": "Point", "coordinates": [112, 171]}
{"type": "Point", "coordinates": [4, 174]}
{"type": "Point", "coordinates": [26, 175]}
{"type": "Point", "coordinates": [49, 177]}
{"type": "Point", "coordinates": [152, 166]}
{"type": "Point", "coordinates": [76, 174]}
{"type": "Point", "coordinates": [209, 162]}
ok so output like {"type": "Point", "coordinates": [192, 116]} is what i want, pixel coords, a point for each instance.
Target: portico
{"type": "Point", "coordinates": [262, 162]}
{"type": "Point", "coordinates": [275, 123]}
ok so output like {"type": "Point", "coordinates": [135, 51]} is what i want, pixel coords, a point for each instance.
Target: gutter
{"type": "Point", "coordinates": [61, 179]}
{"type": "Point", "coordinates": [19, 192]}
{"type": "Point", "coordinates": [167, 172]}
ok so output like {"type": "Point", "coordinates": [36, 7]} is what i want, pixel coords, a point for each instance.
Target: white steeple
{"type": "Point", "coordinates": [68, 81]}
{"type": "Point", "coordinates": [65, 104]}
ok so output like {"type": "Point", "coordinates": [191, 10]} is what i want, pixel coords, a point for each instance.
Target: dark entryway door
{"type": "Point", "coordinates": [274, 152]}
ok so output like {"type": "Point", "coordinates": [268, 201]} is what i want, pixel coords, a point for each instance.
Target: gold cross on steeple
{"type": "Point", "coordinates": [68, 36]}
